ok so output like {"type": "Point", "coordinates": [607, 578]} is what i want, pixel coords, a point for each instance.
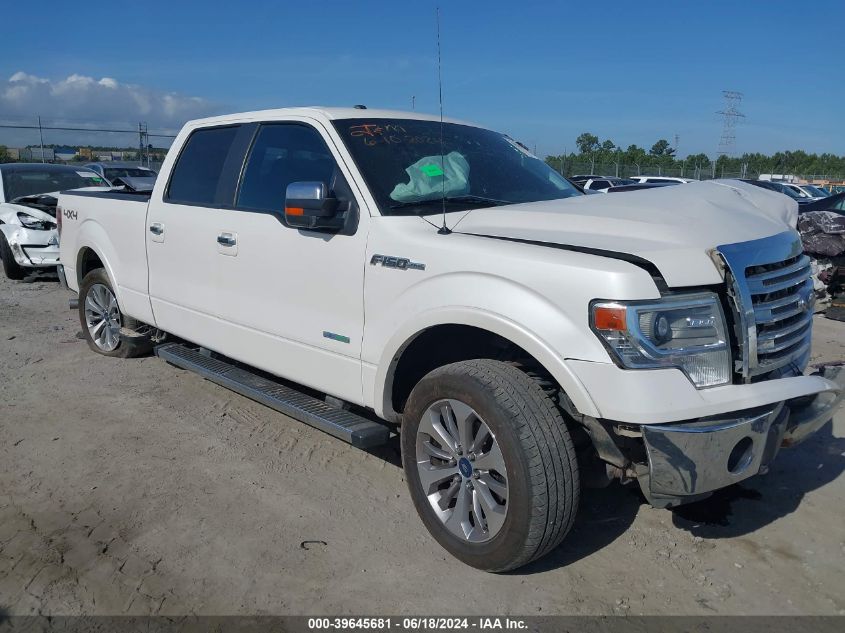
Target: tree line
{"type": "Point", "coordinates": [594, 152]}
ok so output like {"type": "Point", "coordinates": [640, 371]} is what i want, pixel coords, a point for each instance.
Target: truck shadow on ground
{"type": "Point", "coordinates": [761, 500]}
{"type": "Point", "coordinates": [606, 514]}
{"type": "Point", "coordinates": [39, 276]}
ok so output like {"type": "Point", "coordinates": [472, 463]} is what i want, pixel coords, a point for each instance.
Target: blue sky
{"type": "Point", "coordinates": [541, 71]}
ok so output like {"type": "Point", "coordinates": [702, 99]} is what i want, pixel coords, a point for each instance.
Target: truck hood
{"type": "Point", "coordinates": [674, 228]}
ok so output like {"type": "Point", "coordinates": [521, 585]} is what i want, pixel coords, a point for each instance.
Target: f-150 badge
{"type": "Point", "coordinates": [402, 263]}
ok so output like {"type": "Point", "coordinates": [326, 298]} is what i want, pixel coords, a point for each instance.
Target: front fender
{"type": "Point", "coordinates": [489, 302]}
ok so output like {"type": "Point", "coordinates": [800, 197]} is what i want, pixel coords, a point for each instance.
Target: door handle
{"type": "Point", "coordinates": [226, 239]}
{"type": "Point", "coordinates": [156, 228]}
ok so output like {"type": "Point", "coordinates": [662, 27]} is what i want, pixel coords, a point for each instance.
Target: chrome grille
{"type": "Point", "coordinates": [772, 290]}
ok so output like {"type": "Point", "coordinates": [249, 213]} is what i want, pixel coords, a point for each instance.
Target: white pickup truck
{"type": "Point", "coordinates": [371, 272]}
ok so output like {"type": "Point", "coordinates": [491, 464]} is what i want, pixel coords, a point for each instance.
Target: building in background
{"type": "Point", "coordinates": [109, 155]}
{"type": "Point", "coordinates": [34, 154]}
{"type": "Point", "coordinates": [65, 154]}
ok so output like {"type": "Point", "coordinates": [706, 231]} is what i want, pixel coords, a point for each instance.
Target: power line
{"type": "Point", "coordinates": [81, 129]}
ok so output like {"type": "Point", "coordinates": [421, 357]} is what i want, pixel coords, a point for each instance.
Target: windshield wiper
{"type": "Point", "coordinates": [469, 199]}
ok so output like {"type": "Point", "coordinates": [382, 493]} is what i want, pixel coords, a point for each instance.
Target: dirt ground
{"type": "Point", "coordinates": [129, 486]}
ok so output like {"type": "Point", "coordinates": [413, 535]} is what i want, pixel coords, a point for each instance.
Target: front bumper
{"type": "Point", "coordinates": [688, 461]}
{"type": "Point", "coordinates": [32, 248]}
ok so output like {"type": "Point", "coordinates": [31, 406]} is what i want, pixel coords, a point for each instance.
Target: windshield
{"type": "Point", "coordinates": [131, 172]}
{"type": "Point", "coordinates": [30, 182]}
{"type": "Point", "coordinates": [789, 191]}
{"type": "Point", "coordinates": [407, 170]}
{"type": "Point", "coordinates": [815, 191]}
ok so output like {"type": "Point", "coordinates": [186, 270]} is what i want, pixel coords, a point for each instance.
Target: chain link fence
{"type": "Point", "coordinates": [49, 142]}
{"type": "Point", "coordinates": [571, 168]}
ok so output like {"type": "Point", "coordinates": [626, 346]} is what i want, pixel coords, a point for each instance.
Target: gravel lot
{"type": "Point", "coordinates": [129, 486]}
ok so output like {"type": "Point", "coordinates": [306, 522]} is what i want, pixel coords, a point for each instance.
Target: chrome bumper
{"type": "Point", "coordinates": [690, 460]}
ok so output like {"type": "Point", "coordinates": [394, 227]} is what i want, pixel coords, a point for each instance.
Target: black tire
{"type": "Point", "coordinates": [543, 479]}
{"type": "Point", "coordinates": [131, 344]}
{"type": "Point", "coordinates": [12, 269]}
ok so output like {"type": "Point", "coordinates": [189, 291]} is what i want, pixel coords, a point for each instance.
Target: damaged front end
{"type": "Point", "coordinates": [687, 461]}
{"type": "Point", "coordinates": [32, 248]}
{"type": "Point", "coordinates": [30, 229]}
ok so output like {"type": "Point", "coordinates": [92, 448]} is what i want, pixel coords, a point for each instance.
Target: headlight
{"type": "Point", "coordinates": [30, 222]}
{"type": "Point", "coordinates": [687, 332]}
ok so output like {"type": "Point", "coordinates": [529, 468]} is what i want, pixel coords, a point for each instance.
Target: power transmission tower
{"type": "Point", "coordinates": [730, 115]}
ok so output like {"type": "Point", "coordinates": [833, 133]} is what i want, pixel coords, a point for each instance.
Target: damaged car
{"type": "Point", "coordinates": [28, 195]}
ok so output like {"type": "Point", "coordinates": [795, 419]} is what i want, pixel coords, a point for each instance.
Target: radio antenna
{"type": "Point", "coordinates": [444, 230]}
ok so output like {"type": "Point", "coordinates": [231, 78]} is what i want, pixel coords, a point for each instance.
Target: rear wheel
{"type": "Point", "coordinates": [490, 464]}
{"type": "Point", "coordinates": [12, 269]}
{"type": "Point", "coordinates": [106, 329]}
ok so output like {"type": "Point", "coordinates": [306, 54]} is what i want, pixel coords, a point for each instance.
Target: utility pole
{"type": "Point", "coordinates": [413, 102]}
{"type": "Point", "coordinates": [41, 135]}
{"type": "Point", "coordinates": [143, 141]}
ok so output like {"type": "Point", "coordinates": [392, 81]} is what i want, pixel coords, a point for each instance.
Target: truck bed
{"type": "Point", "coordinates": [116, 222]}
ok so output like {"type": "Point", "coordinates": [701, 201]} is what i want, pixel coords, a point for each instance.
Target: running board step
{"type": "Point", "coordinates": [342, 424]}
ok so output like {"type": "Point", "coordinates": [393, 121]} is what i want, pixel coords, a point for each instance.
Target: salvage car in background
{"type": "Point", "coordinates": [114, 171]}
{"type": "Point", "coordinates": [599, 183]}
{"type": "Point", "coordinates": [771, 185]}
{"type": "Point", "coordinates": [822, 227]}
{"type": "Point", "coordinates": [638, 186]}
{"type": "Point", "coordinates": [662, 179]}
{"type": "Point", "coordinates": [28, 194]}
{"type": "Point", "coordinates": [835, 203]}
{"type": "Point", "coordinates": [807, 191]}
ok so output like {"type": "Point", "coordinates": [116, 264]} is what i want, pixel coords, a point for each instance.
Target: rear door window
{"type": "Point", "coordinates": [198, 172]}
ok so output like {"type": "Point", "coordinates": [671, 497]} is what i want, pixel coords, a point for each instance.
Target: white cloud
{"type": "Point", "coordinates": [98, 102]}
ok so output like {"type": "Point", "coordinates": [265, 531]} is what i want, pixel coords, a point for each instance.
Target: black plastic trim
{"type": "Point", "coordinates": [133, 196]}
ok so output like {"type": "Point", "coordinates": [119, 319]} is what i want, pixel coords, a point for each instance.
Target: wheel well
{"type": "Point", "coordinates": [444, 344]}
{"type": "Point", "coordinates": [87, 260]}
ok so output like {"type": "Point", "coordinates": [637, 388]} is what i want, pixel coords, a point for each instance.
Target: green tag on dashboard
{"type": "Point", "coordinates": [431, 170]}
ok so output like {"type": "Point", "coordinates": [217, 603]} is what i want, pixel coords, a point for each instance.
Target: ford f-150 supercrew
{"type": "Point", "coordinates": [371, 272]}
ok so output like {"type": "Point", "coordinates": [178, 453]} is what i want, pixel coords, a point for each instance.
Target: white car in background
{"type": "Point", "coordinates": [599, 183]}
{"type": "Point", "coordinates": [661, 179]}
{"type": "Point", "coordinates": [121, 174]}
{"type": "Point", "coordinates": [28, 196]}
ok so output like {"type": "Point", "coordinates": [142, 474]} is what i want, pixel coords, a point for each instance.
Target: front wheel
{"type": "Point", "coordinates": [490, 464]}
{"type": "Point", "coordinates": [106, 329]}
